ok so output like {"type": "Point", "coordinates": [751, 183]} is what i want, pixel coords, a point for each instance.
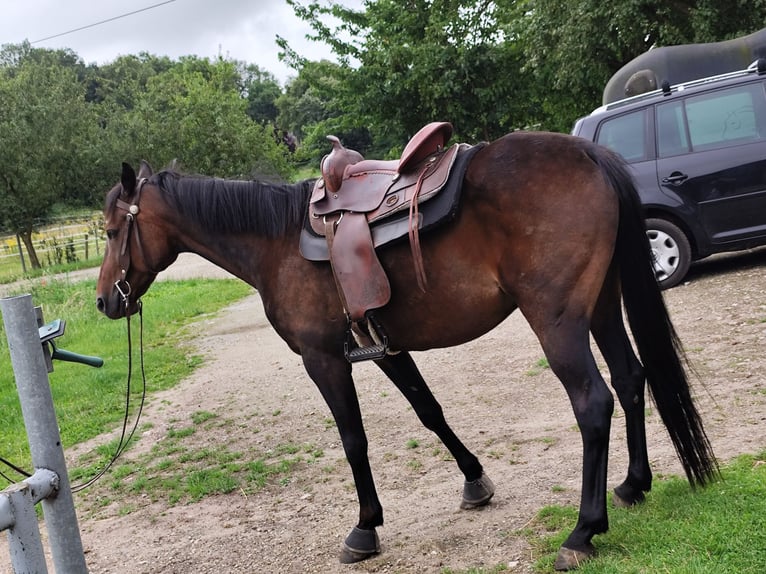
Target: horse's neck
{"type": "Point", "coordinates": [244, 256]}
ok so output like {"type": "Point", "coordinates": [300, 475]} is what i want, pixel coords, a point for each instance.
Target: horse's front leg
{"type": "Point", "coordinates": [332, 375]}
{"type": "Point", "coordinates": [401, 369]}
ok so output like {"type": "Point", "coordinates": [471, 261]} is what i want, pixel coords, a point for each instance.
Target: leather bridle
{"type": "Point", "coordinates": [132, 210]}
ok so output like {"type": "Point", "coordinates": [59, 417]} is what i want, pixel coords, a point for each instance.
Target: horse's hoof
{"type": "Point", "coordinates": [359, 545]}
{"type": "Point", "coordinates": [477, 492]}
{"type": "Point", "coordinates": [625, 497]}
{"type": "Point", "coordinates": [569, 559]}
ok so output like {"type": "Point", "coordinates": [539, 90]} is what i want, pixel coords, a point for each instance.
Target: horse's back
{"type": "Point", "coordinates": [536, 230]}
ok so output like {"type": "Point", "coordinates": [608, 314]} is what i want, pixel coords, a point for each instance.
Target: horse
{"type": "Point", "coordinates": [548, 224]}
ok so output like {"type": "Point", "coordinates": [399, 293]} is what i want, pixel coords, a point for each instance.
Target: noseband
{"type": "Point", "coordinates": [132, 209]}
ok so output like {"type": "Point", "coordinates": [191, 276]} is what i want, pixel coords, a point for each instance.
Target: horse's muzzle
{"type": "Point", "coordinates": [115, 307]}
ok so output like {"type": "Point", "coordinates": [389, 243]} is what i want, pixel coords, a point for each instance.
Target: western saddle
{"type": "Point", "coordinates": [353, 194]}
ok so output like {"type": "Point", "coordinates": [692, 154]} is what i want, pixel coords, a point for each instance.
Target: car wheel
{"type": "Point", "coordinates": [671, 251]}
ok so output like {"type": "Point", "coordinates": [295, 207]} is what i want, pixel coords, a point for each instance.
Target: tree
{"type": "Point", "coordinates": [573, 48]}
{"type": "Point", "coordinates": [409, 62]}
{"type": "Point", "coordinates": [48, 135]}
{"type": "Point", "coordinates": [194, 113]}
{"type": "Point", "coordinates": [122, 81]}
{"type": "Point", "coordinates": [261, 90]}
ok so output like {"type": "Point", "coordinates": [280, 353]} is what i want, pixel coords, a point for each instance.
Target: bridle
{"type": "Point", "coordinates": [132, 210]}
{"type": "Point", "coordinates": [124, 289]}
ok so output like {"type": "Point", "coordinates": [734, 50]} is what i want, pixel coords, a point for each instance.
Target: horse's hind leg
{"type": "Point", "coordinates": [403, 372]}
{"type": "Point", "coordinates": [565, 340]}
{"type": "Point", "coordinates": [628, 381]}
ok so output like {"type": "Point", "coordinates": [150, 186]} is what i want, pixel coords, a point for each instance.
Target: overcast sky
{"type": "Point", "coordinates": [237, 29]}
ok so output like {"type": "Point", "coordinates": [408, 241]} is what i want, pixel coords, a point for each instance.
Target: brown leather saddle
{"type": "Point", "coordinates": [358, 205]}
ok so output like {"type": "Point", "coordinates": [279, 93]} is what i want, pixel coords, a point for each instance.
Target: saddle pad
{"type": "Point", "coordinates": [440, 209]}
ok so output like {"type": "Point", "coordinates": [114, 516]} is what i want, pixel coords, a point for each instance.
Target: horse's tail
{"type": "Point", "coordinates": [658, 344]}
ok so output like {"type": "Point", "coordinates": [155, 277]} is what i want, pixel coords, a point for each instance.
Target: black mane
{"type": "Point", "coordinates": [230, 206]}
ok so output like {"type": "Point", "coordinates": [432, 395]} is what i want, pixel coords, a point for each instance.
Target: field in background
{"type": "Point", "coordinates": [68, 243]}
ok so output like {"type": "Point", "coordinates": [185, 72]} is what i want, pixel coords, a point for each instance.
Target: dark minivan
{"type": "Point", "coordinates": [698, 154]}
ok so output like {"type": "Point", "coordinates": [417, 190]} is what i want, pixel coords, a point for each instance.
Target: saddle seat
{"type": "Point", "coordinates": [351, 183]}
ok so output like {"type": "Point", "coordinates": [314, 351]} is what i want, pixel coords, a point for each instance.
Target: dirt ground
{"type": "Point", "coordinates": [511, 412]}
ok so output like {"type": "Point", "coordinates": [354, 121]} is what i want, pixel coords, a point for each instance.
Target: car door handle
{"type": "Point", "coordinates": [675, 178]}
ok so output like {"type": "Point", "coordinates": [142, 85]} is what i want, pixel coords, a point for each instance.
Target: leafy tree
{"type": "Point", "coordinates": [194, 113]}
{"type": "Point", "coordinates": [122, 81]}
{"type": "Point", "coordinates": [574, 47]}
{"type": "Point", "coordinates": [261, 90]}
{"type": "Point", "coordinates": [409, 62]}
{"type": "Point", "coordinates": [48, 135]}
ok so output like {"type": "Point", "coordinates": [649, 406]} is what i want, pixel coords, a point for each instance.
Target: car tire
{"type": "Point", "coordinates": [671, 251]}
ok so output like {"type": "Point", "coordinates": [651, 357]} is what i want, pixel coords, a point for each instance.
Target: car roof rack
{"type": "Point", "coordinates": [758, 66]}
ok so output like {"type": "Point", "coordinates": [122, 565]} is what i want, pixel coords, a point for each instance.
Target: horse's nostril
{"type": "Point", "coordinates": [100, 304]}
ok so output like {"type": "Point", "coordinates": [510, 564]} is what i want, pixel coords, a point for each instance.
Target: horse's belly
{"type": "Point", "coordinates": [447, 314]}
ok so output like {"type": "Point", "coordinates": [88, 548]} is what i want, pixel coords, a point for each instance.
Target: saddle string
{"type": "Point", "coordinates": [417, 254]}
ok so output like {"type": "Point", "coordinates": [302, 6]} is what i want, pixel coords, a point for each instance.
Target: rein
{"type": "Point", "coordinates": [124, 289]}
{"type": "Point", "coordinates": [126, 437]}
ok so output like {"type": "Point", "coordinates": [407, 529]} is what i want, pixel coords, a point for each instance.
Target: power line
{"type": "Point", "coordinates": [103, 21]}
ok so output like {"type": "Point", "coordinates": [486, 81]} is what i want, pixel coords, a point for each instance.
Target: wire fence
{"type": "Point", "coordinates": [63, 241]}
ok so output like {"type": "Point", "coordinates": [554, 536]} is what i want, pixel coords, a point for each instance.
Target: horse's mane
{"type": "Point", "coordinates": [231, 206]}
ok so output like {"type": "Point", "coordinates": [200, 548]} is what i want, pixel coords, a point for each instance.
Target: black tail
{"type": "Point", "coordinates": [658, 344]}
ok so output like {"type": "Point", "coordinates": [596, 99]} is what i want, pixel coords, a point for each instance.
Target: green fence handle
{"type": "Point", "coordinates": [71, 357]}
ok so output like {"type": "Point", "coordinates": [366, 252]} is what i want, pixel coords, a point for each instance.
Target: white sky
{"type": "Point", "coordinates": [238, 29]}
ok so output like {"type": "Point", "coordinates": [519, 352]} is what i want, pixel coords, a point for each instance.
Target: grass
{"type": "Point", "coordinates": [540, 366]}
{"type": "Point", "coordinates": [178, 471]}
{"type": "Point", "coordinates": [720, 529]}
{"type": "Point", "coordinates": [91, 401]}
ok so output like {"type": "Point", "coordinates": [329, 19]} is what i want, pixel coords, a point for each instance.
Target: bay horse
{"type": "Point", "coordinates": [548, 224]}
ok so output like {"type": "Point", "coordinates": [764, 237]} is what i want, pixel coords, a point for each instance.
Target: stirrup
{"type": "Point", "coordinates": [355, 352]}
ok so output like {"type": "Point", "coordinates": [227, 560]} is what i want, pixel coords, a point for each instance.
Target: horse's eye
{"type": "Point", "coordinates": [112, 233]}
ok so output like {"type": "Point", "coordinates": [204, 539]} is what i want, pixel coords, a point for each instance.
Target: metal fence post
{"type": "Point", "coordinates": [42, 431]}
{"type": "Point", "coordinates": [17, 515]}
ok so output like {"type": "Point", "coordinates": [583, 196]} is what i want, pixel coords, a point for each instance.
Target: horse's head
{"type": "Point", "coordinates": [136, 245]}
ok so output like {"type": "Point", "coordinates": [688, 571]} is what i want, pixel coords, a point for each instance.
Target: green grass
{"type": "Point", "coordinates": [178, 471]}
{"type": "Point", "coordinates": [540, 366]}
{"type": "Point", "coordinates": [720, 529]}
{"type": "Point", "coordinates": [91, 401]}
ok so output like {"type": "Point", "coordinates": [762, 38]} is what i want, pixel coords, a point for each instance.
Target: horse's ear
{"type": "Point", "coordinates": [128, 180]}
{"type": "Point", "coordinates": [145, 170]}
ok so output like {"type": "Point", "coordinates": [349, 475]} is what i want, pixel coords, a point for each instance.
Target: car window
{"type": "Point", "coordinates": [626, 135]}
{"type": "Point", "coordinates": [672, 138]}
{"type": "Point", "coordinates": [721, 118]}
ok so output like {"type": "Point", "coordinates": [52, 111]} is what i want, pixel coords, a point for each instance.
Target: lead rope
{"type": "Point", "coordinates": [123, 443]}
